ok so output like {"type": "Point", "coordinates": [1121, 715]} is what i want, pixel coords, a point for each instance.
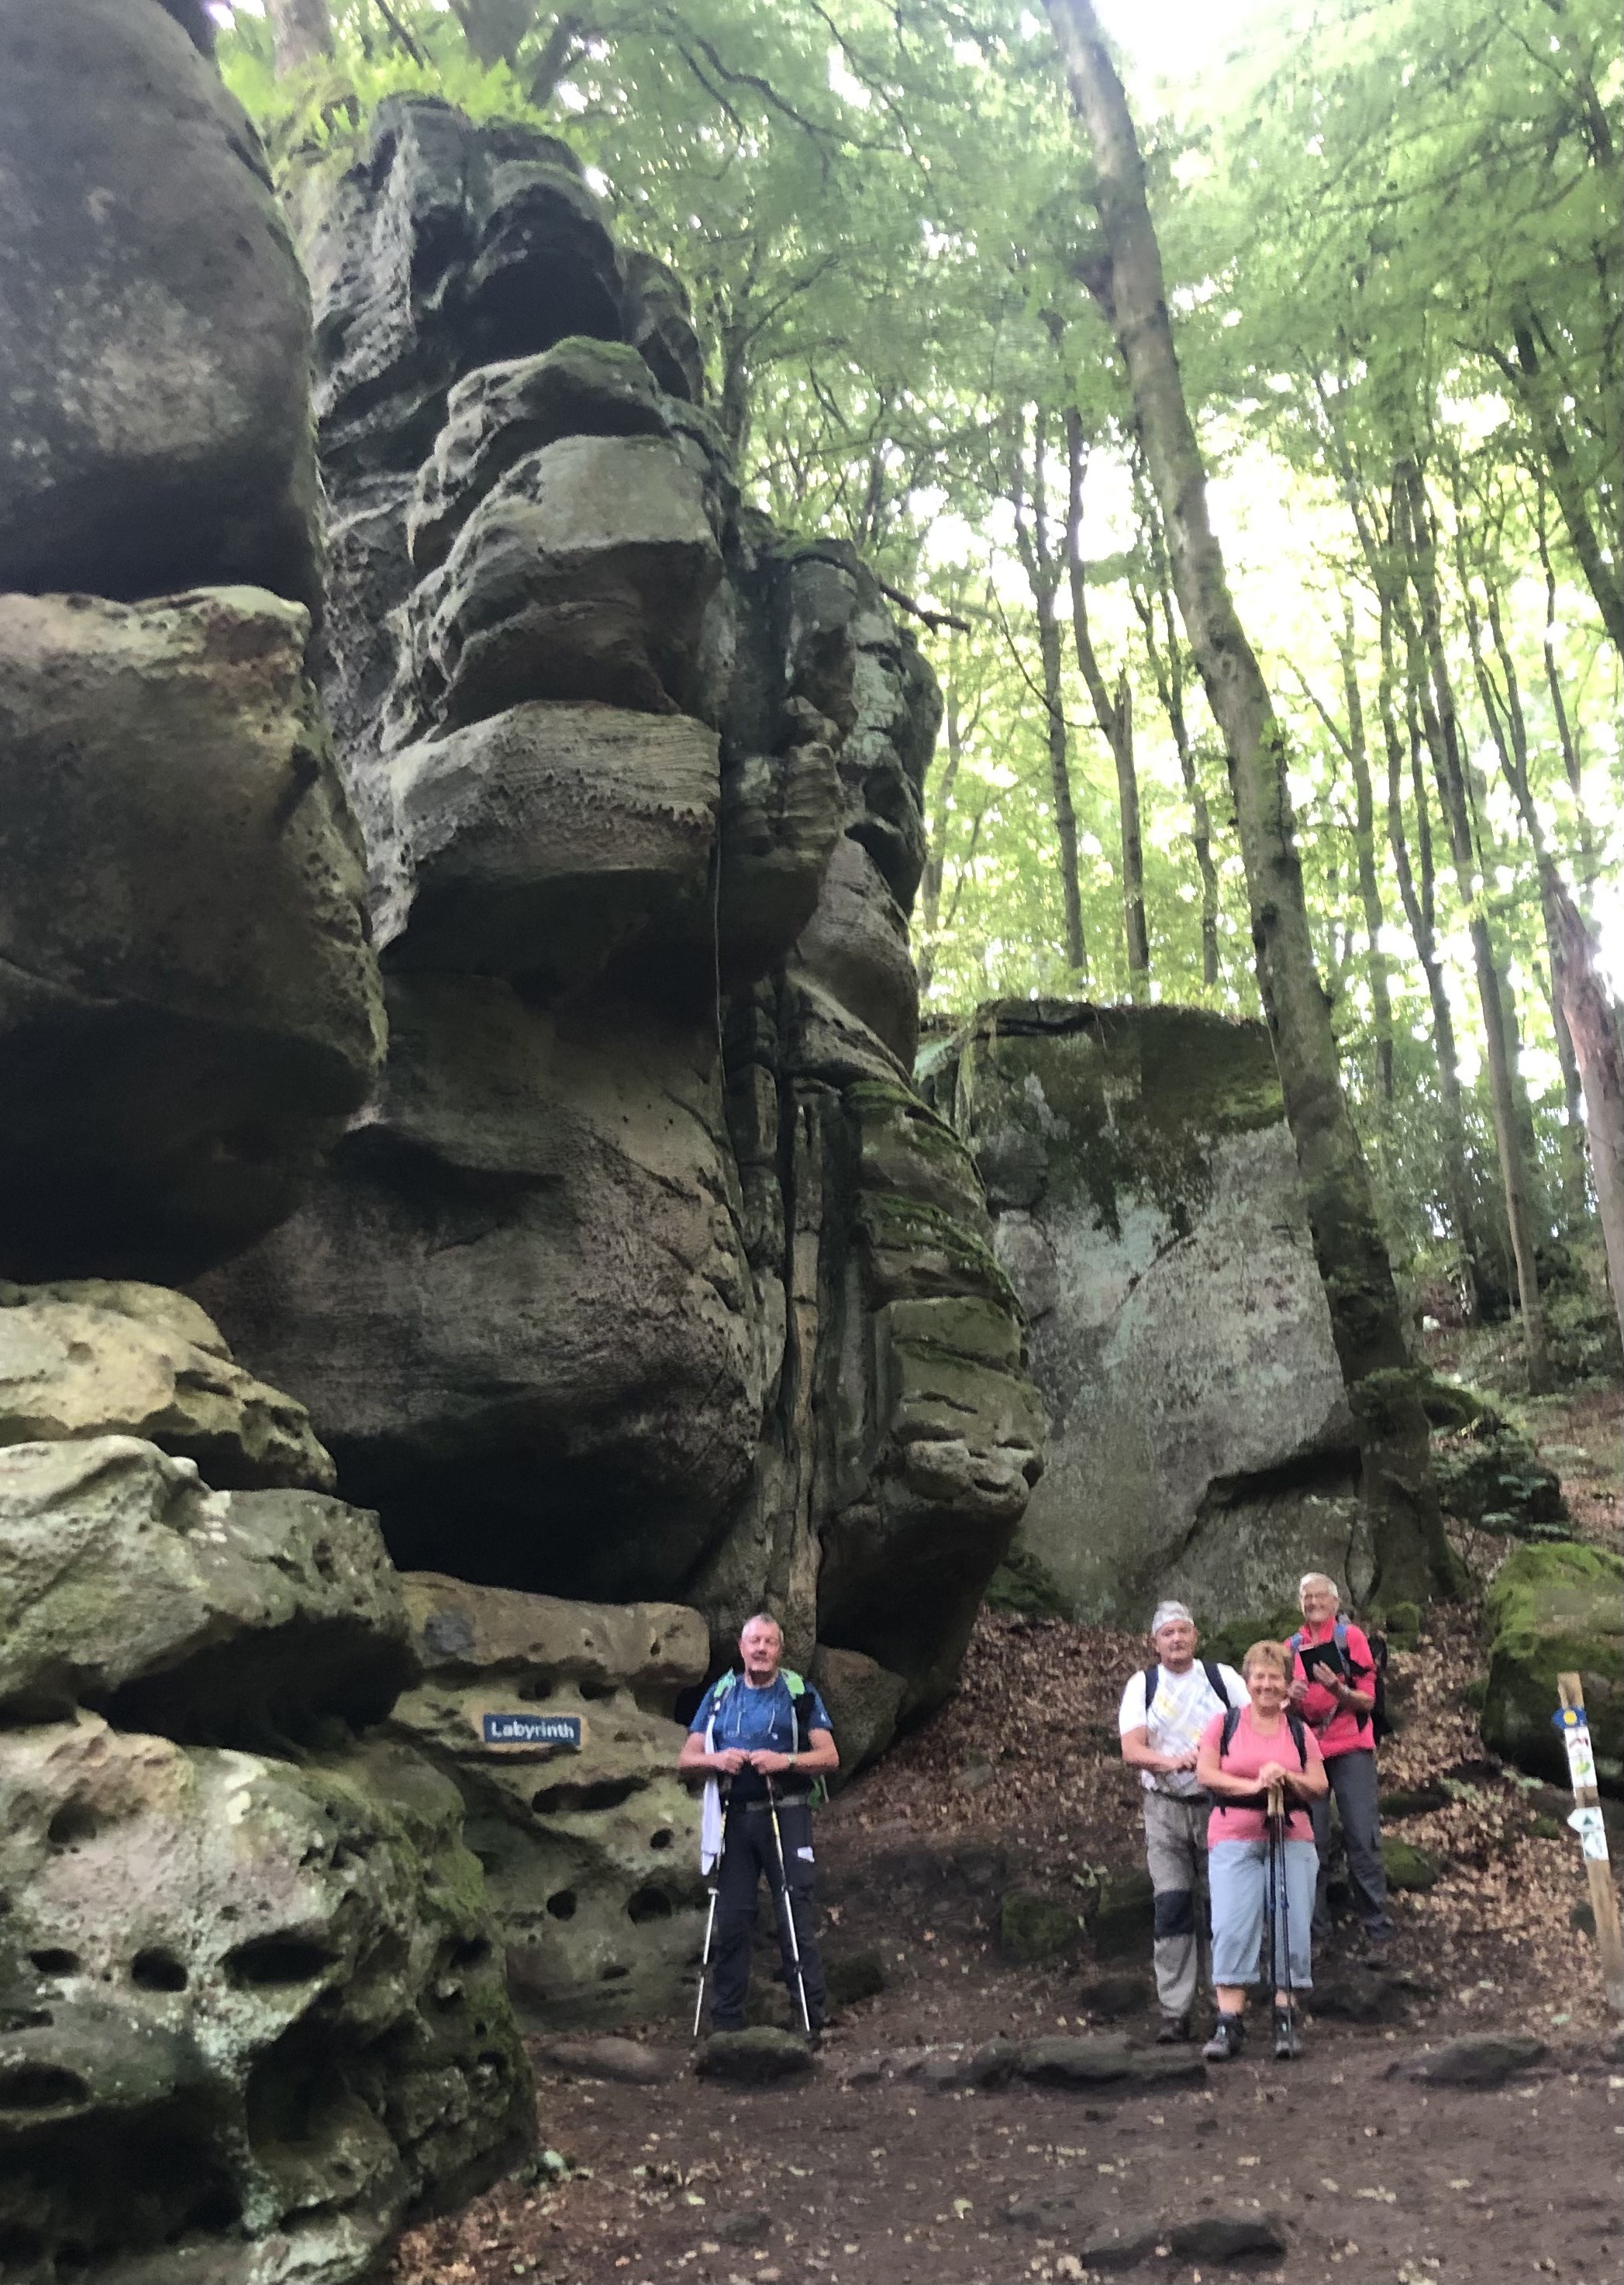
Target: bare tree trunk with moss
{"type": "Point", "coordinates": [1502, 710]}
{"type": "Point", "coordinates": [1413, 527]}
{"type": "Point", "coordinates": [1412, 1556]}
{"type": "Point", "coordinates": [300, 34]}
{"type": "Point", "coordinates": [1034, 541]}
{"type": "Point", "coordinates": [1114, 715]}
{"type": "Point", "coordinates": [1417, 897]}
{"type": "Point", "coordinates": [1594, 1023]}
{"type": "Point", "coordinates": [957, 730]}
{"type": "Point", "coordinates": [1571, 763]}
{"type": "Point", "coordinates": [1168, 675]}
{"type": "Point", "coordinates": [1364, 846]}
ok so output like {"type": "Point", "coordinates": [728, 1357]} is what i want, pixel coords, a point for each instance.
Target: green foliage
{"type": "Point", "coordinates": [1391, 234]}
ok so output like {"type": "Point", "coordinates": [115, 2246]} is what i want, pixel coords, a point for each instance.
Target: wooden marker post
{"type": "Point", "coordinates": [1587, 1822]}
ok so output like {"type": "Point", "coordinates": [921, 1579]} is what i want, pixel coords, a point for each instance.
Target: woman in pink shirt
{"type": "Point", "coordinates": [1268, 1747]}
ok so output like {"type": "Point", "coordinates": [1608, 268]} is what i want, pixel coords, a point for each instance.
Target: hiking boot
{"type": "Point", "coordinates": [1287, 2045]}
{"type": "Point", "coordinates": [1229, 2036]}
{"type": "Point", "coordinates": [1174, 2028]}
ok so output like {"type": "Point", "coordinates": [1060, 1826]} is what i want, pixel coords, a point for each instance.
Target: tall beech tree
{"type": "Point", "coordinates": [1412, 1556]}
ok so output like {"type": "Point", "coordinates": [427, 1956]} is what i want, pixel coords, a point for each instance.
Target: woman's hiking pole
{"type": "Point", "coordinates": [704, 1957]}
{"type": "Point", "coordinates": [788, 1909]}
{"type": "Point", "coordinates": [1280, 1923]}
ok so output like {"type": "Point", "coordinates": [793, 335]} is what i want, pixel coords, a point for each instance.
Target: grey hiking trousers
{"type": "Point", "coordinates": [1176, 1852]}
{"type": "Point", "coordinates": [1353, 1788]}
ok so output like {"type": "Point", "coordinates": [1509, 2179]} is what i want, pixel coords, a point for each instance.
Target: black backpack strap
{"type": "Point", "coordinates": [1232, 1719]}
{"type": "Point", "coordinates": [802, 1702]}
{"type": "Point", "coordinates": [1153, 1683]}
{"type": "Point", "coordinates": [1215, 1681]}
{"type": "Point", "coordinates": [1294, 1723]}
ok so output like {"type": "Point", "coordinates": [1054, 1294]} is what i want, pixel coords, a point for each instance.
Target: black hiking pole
{"type": "Point", "coordinates": [704, 1957]}
{"type": "Point", "coordinates": [1280, 1917]}
{"type": "Point", "coordinates": [788, 1909]}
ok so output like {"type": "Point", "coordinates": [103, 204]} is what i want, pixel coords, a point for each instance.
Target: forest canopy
{"type": "Point", "coordinates": [1390, 234]}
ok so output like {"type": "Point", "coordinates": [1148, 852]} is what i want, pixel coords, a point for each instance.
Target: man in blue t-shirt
{"type": "Point", "coordinates": [764, 1735]}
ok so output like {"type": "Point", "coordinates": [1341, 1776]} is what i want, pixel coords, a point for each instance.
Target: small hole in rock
{"type": "Point", "coordinates": [662, 1839]}
{"type": "Point", "coordinates": [40, 2087]}
{"type": "Point", "coordinates": [598, 1793]}
{"type": "Point", "coordinates": [612, 1975]}
{"type": "Point", "coordinates": [595, 1693]}
{"type": "Point", "coordinates": [561, 1904]}
{"type": "Point", "coordinates": [157, 1971]}
{"type": "Point", "coordinates": [278, 1960]}
{"type": "Point", "coordinates": [71, 1822]}
{"type": "Point", "coordinates": [53, 1962]}
{"type": "Point", "coordinates": [471, 1952]}
{"type": "Point", "coordinates": [647, 1905]}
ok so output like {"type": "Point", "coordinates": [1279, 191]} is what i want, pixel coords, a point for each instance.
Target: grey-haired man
{"type": "Point", "coordinates": [1164, 1709]}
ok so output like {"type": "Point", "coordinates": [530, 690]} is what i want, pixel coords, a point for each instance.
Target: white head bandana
{"type": "Point", "coordinates": [1165, 1613]}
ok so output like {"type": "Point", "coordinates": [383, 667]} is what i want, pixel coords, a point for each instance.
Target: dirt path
{"type": "Point", "coordinates": [866, 2174]}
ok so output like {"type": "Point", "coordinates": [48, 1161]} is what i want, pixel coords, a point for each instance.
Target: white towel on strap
{"type": "Point", "coordinates": [710, 1814]}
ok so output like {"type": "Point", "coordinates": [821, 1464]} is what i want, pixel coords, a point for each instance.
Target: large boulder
{"type": "Point", "coordinates": [1550, 1610]}
{"type": "Point", "coordinates": [189, 1005]}
{"type": "Point", "coordinates": [253, 2018]}
{"type": "Point", "coordinates": [93, 1357]}
{"type": "Point", "coordinates": [1147, 1211]}
{"type": "Point", "coordinates": [154, 323]}
{"type": "Point", "coordinates": [591, 1856]}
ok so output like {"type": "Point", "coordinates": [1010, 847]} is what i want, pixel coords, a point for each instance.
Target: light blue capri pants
{"type": "Point", "coordinates": [1238, 1875]}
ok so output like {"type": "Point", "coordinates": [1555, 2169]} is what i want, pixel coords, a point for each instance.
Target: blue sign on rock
{"type": "Point", "coordinates": [534, 1730]}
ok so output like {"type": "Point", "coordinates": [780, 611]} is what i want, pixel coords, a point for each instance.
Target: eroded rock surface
{"type": "Point", "coordinates": [591, 1858]}
{"type": "Point", "coordinates": [95, 1357]}
{"type": "Point", "coordinates": [253, 2016]}
{"type": "Point", "coordinates": [1148, 1213]}
{"type": "Point", "coordinates": [644, 1263]}
{"type": "Point", "coordinates": [154, 322]}
{"type": "Point", "coordinates": [189, 1004]}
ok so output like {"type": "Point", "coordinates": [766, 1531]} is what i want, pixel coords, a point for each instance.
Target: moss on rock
{"type": "Point", "coordinates": [1550, 1610]}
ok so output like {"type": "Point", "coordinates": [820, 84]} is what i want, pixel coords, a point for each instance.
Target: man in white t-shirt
{"type": "Point", "coordinates": [1164, 1709]}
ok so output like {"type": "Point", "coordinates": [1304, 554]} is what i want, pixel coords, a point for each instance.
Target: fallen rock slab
{"type": "Point", "coordinates": [1365, 1995]}
{"type": "Point", "coordinates": [758, 2057]}
{"type": "Point", "coordinates": [628, 2061]}
{"type": "Point", "coordinates": [1486, 2059]}
{"type": "Point", "coordinates": [1064, 2060]}
{"type": "Point", "coordinates": [1220, 2237]}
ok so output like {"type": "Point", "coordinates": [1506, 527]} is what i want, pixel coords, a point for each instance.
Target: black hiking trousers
{"type": "Point", "coordinates": [749, 1858]}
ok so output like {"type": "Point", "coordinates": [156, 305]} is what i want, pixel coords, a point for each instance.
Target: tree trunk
{"type": "Point", "coordinates": [1524, 372]}
{"type": "Point", "coordinates": [1413, 524]}
{"type": "Point", "coordinates": [1412, 1556]}
{"type": "Point", "coordinates": [300, 34]}
{"type": "Point", "coordinates": [1043, 577]}
{"type": "Point", "coordinates": [931, 882]}
{"type": "Point", "coordinates": [1418, 911]}
{"type": "Point", "coordinates": [1169, 677]}
{"type": "Point", "coordinates": [1571, 763]}
{"type": "Point", "coordinates": [1592, 1024]}
{"type": "Point", "coordinates": [1114, 715]}
{"type": "Point", "coordinates": [1503, 709]}
{"type": "Point", "coordinates": [1364, 842]}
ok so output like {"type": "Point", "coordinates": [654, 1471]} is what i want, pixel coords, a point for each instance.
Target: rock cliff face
{"type": "Point", "coordinates": [644, 1272]}
{"type": "Point", "coordinates": [252, 2013]}
{"type": "Point", "coordinates": [1147, 1211]}
{"type": "Point", "coordinates": [636, 1270]}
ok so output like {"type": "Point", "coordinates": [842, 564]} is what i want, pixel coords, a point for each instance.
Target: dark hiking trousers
{"type": "Point", "coordinates": [1353, 1787]}
{"type": "Point", "coordinates": [749, 1858]}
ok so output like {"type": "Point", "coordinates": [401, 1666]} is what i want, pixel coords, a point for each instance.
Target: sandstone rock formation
{"type": "Point", "coordinates": [1147, 1211]}
{"type": "Point", "coordinates": [591, 1858]}
{"type": "Point", "coordinates": [645, 1272]}
{"type": "Point", "coordinates": [253, 2015]}
{"type": "Point", "coordinates": [1551, 1611]}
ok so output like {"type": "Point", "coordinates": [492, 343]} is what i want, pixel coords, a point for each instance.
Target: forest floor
{"type": "Point", "coordinates": [866, 2174]}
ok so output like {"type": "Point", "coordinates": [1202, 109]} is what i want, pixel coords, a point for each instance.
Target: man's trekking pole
{"type": "Point", "coordinates": [788, 1909]}
{"type": "Point", "coordinates": [704, 1957]}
